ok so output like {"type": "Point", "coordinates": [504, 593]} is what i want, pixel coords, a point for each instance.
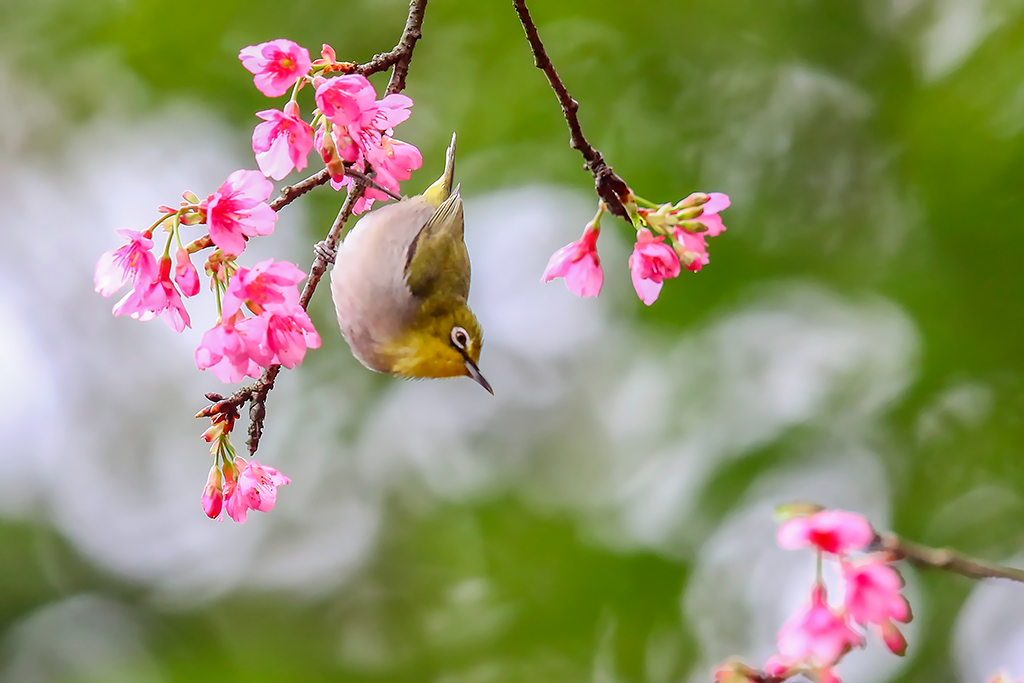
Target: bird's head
{"type": "Point", "coordinates": [439, 344]}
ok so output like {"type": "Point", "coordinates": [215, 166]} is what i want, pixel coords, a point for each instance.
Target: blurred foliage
{"type": "Point", "coordinates": [850, 161]}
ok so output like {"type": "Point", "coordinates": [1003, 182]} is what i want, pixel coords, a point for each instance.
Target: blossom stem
{"type": "Point", "coordinates": [167, 246]}
{"type": "Point", "coordinates": [216, 290]}
{"type": "Point", "coordinates": [646, 202]}
{"type": "Point", "coordinates": [150, 229]}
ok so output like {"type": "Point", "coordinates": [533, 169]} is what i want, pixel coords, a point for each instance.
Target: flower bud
{"type": "Point", "coordinates": [695, 199]}
{"type": "Point", "coordinates": [214, 432]}
{"type": "Point", "coordinates": [327, 52]}
{"type": "Point", "coordinates": [799, 508]}
{"type": "Point", "coordinates": [686, 213]}
{"type": "Point", "coordinates": [686, 257]}
{"type": "Point", "coordinates": [192, 217]}
{"type": "Point", "coordinates": [693, 226]}
{"type": "Point", "coordinates": [324, 143]}
{"type": "Point", "coordinates": [190, 197]}
{"type": "Point", "coordinates": [893, 639]}
{"type": "Point", "coordinates": [213, 495]}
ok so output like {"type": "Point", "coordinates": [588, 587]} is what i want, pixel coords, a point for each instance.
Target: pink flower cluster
{"type": "Point", "coordinates": [353, 127]}
{"type": "Point", "coordinates": [235, 212]}
{"type": "Point", "coordinates": [278, 333]}
{"type": "Point", "coordinates": [814, 639]}
{"type": "Point", "coordinates": [154, 292]}
{"type": "Point", "coordinates": [239, 486]}
{"type": "Point", "coordinates": [669, 239]}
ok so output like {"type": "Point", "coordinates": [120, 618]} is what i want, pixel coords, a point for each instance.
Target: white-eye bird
{"type": "Point", "coordinates": [400, 284]}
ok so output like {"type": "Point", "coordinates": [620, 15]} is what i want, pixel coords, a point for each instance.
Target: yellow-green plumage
{"type": "Point", "coordinates": [400, 284]}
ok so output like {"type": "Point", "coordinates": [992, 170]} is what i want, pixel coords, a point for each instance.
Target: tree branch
{"type": "Point", "coordinates": [944, 558]}
{"type": "Point", "coordinates": [610, 187]}
{"type": "Point", "coordinates": [256, 393]}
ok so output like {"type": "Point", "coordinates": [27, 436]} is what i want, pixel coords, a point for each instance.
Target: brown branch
{"type": "Point", "coordinates": [944, 558]}
{"type": "Point", "coordinates": [256, 393]}
{"type": "Point", "coordinates": [610, 187]}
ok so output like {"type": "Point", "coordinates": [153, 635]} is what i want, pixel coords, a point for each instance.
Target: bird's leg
{"type": "Point", "coordinates": [325, 251]}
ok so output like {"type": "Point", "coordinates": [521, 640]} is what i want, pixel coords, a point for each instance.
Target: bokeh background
{"type": "Point", "coordinates": [607, 516]}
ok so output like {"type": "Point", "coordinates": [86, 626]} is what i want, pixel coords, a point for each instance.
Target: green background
{"type": "Point", "coordinates": [873, 150]}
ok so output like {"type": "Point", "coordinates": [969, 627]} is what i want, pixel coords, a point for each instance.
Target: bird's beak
{"type": "Point", "coordinates": [474, 372]}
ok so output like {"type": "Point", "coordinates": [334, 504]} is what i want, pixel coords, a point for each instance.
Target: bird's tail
{"type": "Point", "coordinates": [442, 187]}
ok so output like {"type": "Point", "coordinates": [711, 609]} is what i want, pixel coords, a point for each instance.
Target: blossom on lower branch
{"type": "Point", "coordinates": [814, 640]}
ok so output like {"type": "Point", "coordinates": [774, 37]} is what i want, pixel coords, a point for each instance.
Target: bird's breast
{"type": "Point", "coordinates": [373, 302]}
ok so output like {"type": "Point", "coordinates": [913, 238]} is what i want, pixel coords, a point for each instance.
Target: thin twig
{"type": "Point", "coordinates": [609, 186]}
{"type": "Point", "coordinates": [949, 560]}
{"type": "Point", "coordinates": [256, 393]}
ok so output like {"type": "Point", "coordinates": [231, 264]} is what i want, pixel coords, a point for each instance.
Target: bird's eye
{"type": "Point", "coordinates": [460, 338]}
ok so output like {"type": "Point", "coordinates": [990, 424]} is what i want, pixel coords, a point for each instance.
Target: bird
{"type": "Point", "coordinates": [400, 286]}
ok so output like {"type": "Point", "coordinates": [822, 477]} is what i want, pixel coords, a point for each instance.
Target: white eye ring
{"type": "Point", "coordinates": [460, 337]}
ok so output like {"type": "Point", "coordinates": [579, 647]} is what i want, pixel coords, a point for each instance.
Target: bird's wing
{"type": "Point", "coordinates": [437, 259]}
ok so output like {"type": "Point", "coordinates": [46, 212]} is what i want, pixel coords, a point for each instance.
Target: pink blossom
{"type": "Point", "coordinates": [289, 334]}
{"type": "Point", "coordinates": [277, 65]}
{"type": "Point", "coordinates": [262, 286]}
{"type": "Point", "coordinates": [893, 638]}
{"type": "Point", "coordinates": [146, 300]}
{"type": "Point", "coordinates": [213, 496]}
{"type": "Point", "coordinates": [254, 489]}
{"type": "Point", "coordinates": [833, 531]}
{"type": "Point", "coordinates": [394, 161]}
{"type": "Point", "coordinates": [579, 264]}
{"type": "Point", "coordinates": [717, 203]}
{"type": "Point", "coordinates": [237, 210]}
{"type": "Point", "coordinates": [387, 113]}
{"type": "Point", "coordinates": [185, 275]}
{"type": "Point", "coordinates": [873, 593]}
{"type": "Point", "coordinates": [234, 348]}
{"type": "Point", "coordinates": [345, 99]}
{"type": "Point", "coordinates": [283, 142]}
{"type": "Point", "coordinates": [133, 261]}
{"type": "Point", "coordinates": [651, 263]}
{"type": "Point", "coordinates": [816, 635]}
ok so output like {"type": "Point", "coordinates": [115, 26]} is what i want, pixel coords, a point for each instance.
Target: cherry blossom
{"type": "Point", "coordinates": [816, 634]}
{"type": "Point", "coordinates": [343, 100]}
{"type": "Point", "coordinates": [185, 275]}
{"type": "Point", "coordinates": [651, 263]}
{"type": "Point", "coordinates": [234, 348]}
{"type": "Point", "coordinates": [254, 489]}
{"type": "Point", "coordinates": [237, 210]}
{"type": "Point", "coordinates": [277, 65]}
{"type": "Point", "coordinates": [132, 262]}
{"type": "Point", "coordinates": [578, 263]}
{"type": "Point", "coordinates": [289, 333]}
{"type": "Point", "coordinates": [282, 142]}
{"type": "Point", "coordinates": [832, 531]}
{"type": "Point", "coordinates": [262, 286]}
{"type": "Point", "coordinates": [159, 296]}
